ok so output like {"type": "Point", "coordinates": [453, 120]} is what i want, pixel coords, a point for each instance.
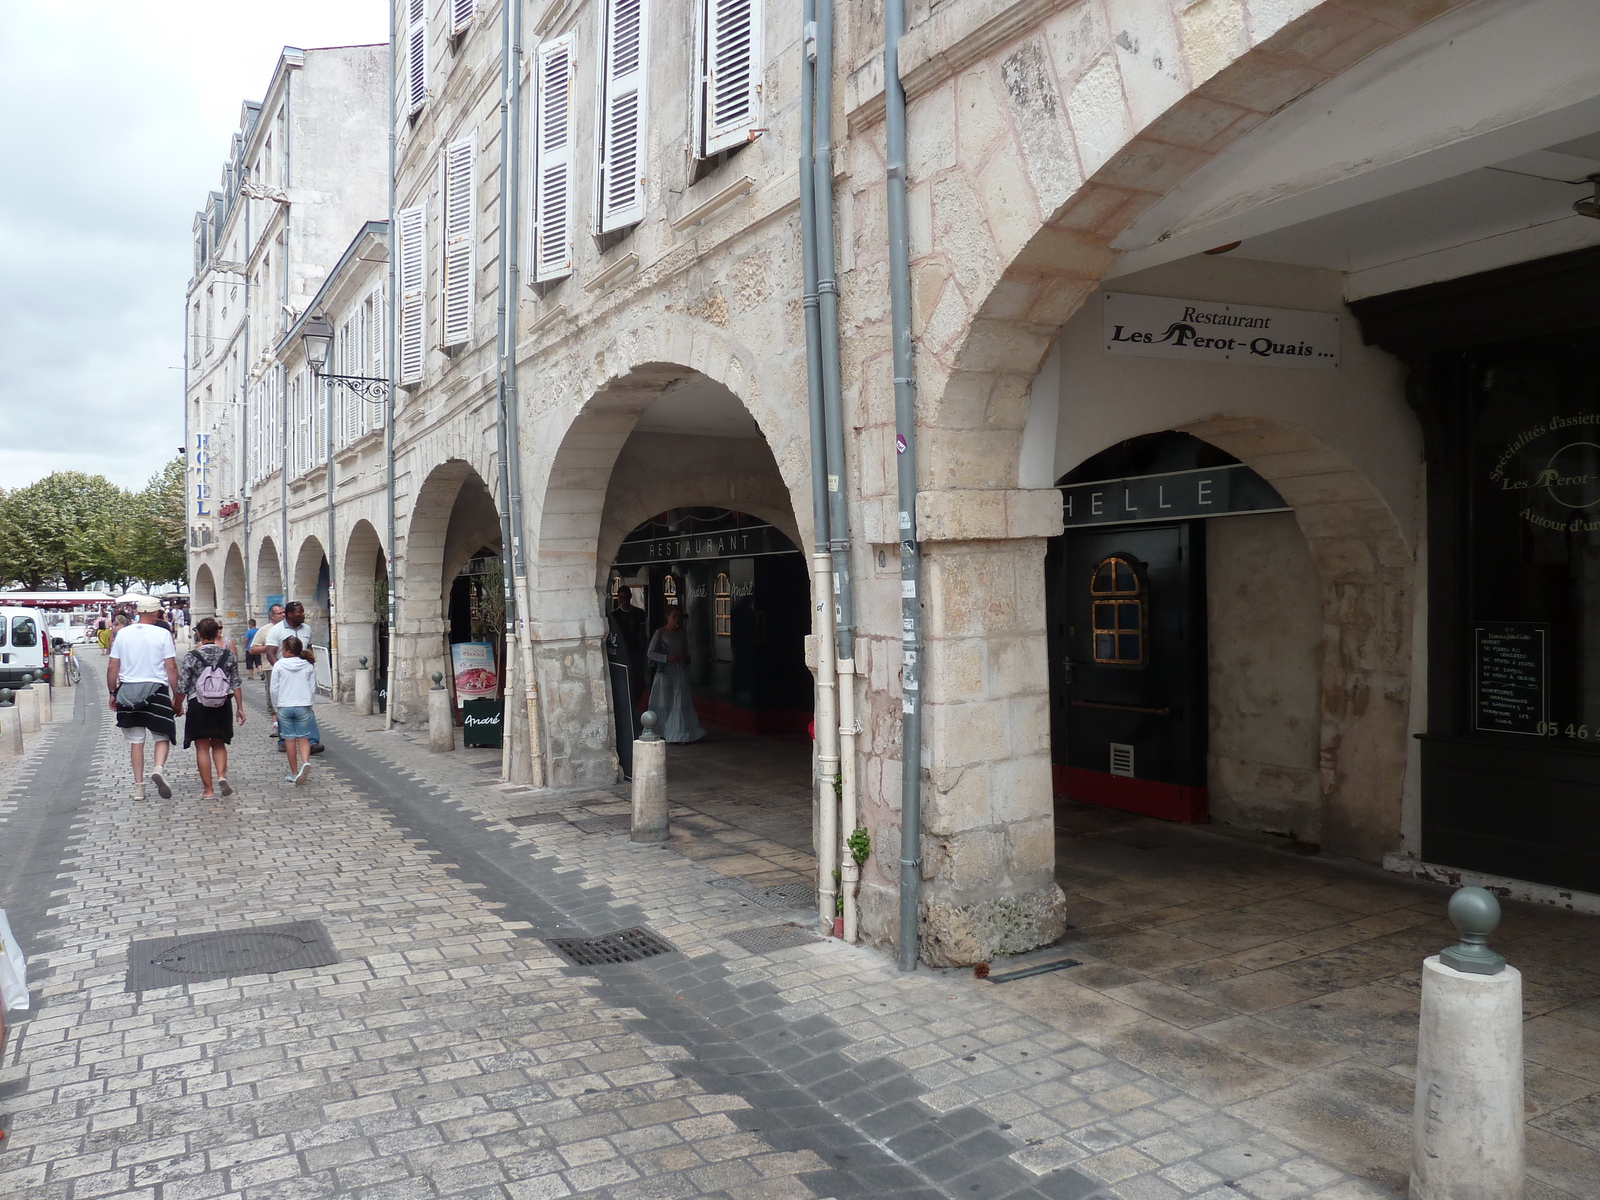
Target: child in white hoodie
{"type": "Point", "coordinates": [294, 691]}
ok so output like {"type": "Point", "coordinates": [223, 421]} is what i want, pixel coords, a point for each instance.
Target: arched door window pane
{"type": "Point", "coordinates": [1117, 613]}
{"type": "Point", "coordinates": [724, 606]}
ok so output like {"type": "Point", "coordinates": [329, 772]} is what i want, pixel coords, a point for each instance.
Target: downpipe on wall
{"type": "Point", "coordinates": [905, 421]}
{"type": "Point", "coordinates": [392, 316]}
{"type": "Point", "coordinates": [825, 722]}
{"type": "Point", "coordinates": [502, 441]}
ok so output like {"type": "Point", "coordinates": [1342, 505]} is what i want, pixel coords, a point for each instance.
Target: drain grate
{"type": "Point", "coordinates": [607, 824]}
{"type": "Point", "coordinates": [173, 961]}
{"type": "Point", "coordinates": [624, 946]}
{"type": "Point", "coordinates": [544, 818]}
{"type": "Point", "coordinates": [772, 937]}
{"type": "Point", "coordinates": [784, 895]}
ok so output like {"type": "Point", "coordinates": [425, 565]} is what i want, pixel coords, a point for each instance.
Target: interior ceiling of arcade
{"type": "Point", "coordinates": [1409, 170]}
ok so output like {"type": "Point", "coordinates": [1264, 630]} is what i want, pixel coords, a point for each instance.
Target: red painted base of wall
{"type": "Point", "coordinates": [755, 722]}
{"type": "Point", "coordinates": [1169, 801]}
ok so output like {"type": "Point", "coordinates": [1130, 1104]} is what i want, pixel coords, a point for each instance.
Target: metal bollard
{"type": "Point", "coordinates": [649, 784]}
{"type": "Point", "coordinates": [1467, 1123]}
{"type": "Point", "coordinates": [363, 688]}
{"type": "Point", "coordinates": [28, 706]}
{"type": "Point", "coordinates": [441, 722]}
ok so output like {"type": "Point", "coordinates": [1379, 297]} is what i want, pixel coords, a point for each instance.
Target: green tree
{"type": "Point", "coordinates": [157, 553]}
{"type": "Point", "coordinates": [53, 532]}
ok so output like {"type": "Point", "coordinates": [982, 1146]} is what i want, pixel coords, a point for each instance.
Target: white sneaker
{"type": "Point", "coordinates": [138, 791]}
{"type": "Point", "coordinates": [303, 774]}
{"type": "Point", "coordinates": [160, 780]}
{"type": "Point", "coordinates": [291, 779]}
{"type": "Point", "coordinates": [224, 786]}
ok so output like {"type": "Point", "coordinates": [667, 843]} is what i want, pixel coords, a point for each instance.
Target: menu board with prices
{"type": "Point", "coordinates": [1511, 667]}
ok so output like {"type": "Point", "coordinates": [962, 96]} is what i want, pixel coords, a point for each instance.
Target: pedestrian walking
{"type": "Point", "coordinates": [293, 624]}
{"type": "Point", "coordinates": [142, 679]}
{"type": "Point", "coordinates": [671, 699]}
{"type": "Point", "coordinates": [207, 680]}
{"type": "Point", "coordinates": [269, 655]}
{"type": "Point", "coordinates": [252, 656]}
{"type": "Point", "coordinates": [102, 635]}
{"type": "Point", "coordinates": [294, 691]}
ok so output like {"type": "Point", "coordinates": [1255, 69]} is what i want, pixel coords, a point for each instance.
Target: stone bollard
{"type": "Point", "coordinates": [43, 691]}
{"type": "Point", "coordinates": [441, 722]}
{"type": "Point", "coordinates": [28, 706]}
{"type": "Point", "coordinates": [363, 688]}
{"type": "Point", "coordinates": [10, 725]}
{"type": "Point", "coordinates": [1467, 1124]}
{"type": "Point", "coordinates": [649, 784]}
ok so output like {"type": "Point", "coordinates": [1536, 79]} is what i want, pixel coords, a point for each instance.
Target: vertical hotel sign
{"type": "Point", "coordinates": [1208, 331]}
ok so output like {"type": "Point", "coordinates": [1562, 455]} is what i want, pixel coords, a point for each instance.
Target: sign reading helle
{"type": "Point", "coordinates": [1209, 331]}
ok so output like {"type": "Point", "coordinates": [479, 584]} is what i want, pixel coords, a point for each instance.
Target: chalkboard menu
{"type": "Point", "coordinates": [1511, 658]}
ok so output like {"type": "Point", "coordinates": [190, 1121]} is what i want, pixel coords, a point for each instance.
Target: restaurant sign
{"type": "Point", "coordinates": [1209, 331]}
{"type": "Point", "coordinates": [1179, 495]}
{"type": "Point", "coordinates": [748, 541]}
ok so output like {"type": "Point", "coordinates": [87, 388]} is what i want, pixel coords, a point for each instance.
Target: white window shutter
{"type": "Point", "coordinates": [461, 14]}
{"type": "Point", "coordinates": [318, 397]}
{"type": "Point", "coordinates": [377, 331]}
{"type": "Point", "coordinates": [459, 235]}
{"type": "Point", "coordinates": [417, 53]}
{"type": "Point", "coordinates": [623, 115]}
{"type": "Point", "coordinates": [733, 69]}
{"type": "Point", "coordinates": [552, 170]}
{"type": "Point", "coordinates": [352, 344]}
{"type": "Point", "coordinates": [412, 268]}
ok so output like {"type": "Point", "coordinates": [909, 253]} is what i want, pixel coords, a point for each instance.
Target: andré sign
{"type": "Point", "coordinates": [1209, 331]}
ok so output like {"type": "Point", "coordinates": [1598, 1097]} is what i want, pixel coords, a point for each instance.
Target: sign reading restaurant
{"type": "Point", "coordinates": [1208, 331]}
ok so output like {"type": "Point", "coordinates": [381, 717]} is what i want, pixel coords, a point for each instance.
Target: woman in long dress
{"type": "Point", "coordinates": [670, 697]}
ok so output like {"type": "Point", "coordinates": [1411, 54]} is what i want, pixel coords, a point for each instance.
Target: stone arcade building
{"type": "Point", "coordinates": [1319, 264]}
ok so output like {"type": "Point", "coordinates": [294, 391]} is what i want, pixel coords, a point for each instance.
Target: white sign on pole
{"type": "Point", "coordinates": [1210, 331]}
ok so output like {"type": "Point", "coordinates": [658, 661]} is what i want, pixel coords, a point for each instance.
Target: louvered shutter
{"type": "Point", "coordinates": [411, 267]}
{"type": "Point", "coordinates": [417, 53]}
{"type": "Point", "coordinates": [461, 14]}
{"type": "Point", "coordinates": [459, 234]}
{"type": "Point", "coordinates": [732, 79]}
{"type": "Point", "coordinates": [376, 333]}
{"type": "Point", "coordinates": [280, 433]}
{"type": "Point", "coordinates": [623, 113]}
{"type": "Point", "coordinates": [552, 171]}
{"type": "Point", "coordinates": [319, 396]}
{"type": "Point", "coordinates": [352, 341]}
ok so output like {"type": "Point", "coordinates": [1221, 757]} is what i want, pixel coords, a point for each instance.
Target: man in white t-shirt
{"type": "Point", "coordinates": [144, 659]}
{"type": "Point", "coordinates": [292, 624]}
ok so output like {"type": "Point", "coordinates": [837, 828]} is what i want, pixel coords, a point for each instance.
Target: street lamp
{"type": "Point", "coordinates": [316, 339]}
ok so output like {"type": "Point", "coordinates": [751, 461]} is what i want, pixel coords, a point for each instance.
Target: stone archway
{"type": "Point", "coordinates": [360, 567]}
{"type": "Point", "coordinates": [269, 576]}
{"type": "Point", "coordinates": [309, 587]}
{"type": "Point", "coordinates": [203, 594]}
{"type": "Point", "coordinates": [233, 599]}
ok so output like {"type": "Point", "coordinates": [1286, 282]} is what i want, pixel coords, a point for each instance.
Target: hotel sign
{"type": "Point", "coordinates": [1178, 496]}
{"type": "Point", "coordinates": [1208, 331]}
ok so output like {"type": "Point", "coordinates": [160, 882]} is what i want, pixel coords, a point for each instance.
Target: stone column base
{"type": "Point", "coordinates": [958, 934]}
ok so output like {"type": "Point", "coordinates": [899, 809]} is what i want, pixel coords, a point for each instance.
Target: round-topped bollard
{"type": "Point", "coordinates": [649, 784]}
{"type": "Point", "coordinates": [1467, 1123]}
{"type": "Point", "coordinates": [362, 689]}
{"type": "Point", "coordinates": [28, 705]}
{"type": "Point", "coordinates": [10, 725]}
{"type": "Point", "coordinates": [441, 721]}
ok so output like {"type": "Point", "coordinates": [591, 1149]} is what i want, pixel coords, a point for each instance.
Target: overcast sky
{"type": "Point", "coordinates": [118, 116]}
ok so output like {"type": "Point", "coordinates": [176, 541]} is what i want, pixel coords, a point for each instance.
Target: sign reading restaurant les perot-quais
{"type": "Point", "coordinates": [1209, 331]}
{"type": "Point", "coordinates": [1178, 495]}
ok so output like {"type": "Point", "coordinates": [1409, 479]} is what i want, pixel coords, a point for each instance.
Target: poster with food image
{"type": "Point", "coordinates": [472, 666]}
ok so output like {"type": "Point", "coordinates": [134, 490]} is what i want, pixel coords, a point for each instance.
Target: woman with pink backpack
{"type": "Point", "coordinates": [207, 680]}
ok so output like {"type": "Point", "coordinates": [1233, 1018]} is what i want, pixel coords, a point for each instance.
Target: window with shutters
{"type": "Point", "coordinates": [623, 111]}
{"type": "Point", "coordinates": [377, 354]}
{"type": "Point", "coordinates": [412, 271]}
{"type": "Point", "coordinates": [552, 167]}
{"type": "Point", "coordinates": [461, 14]}
{"type": "Point", "coordinates": [317, 398]}
{"type": "Point", "coordinates": [456, 287]}
{"type": "Point", "coordinates": [416, 74]}
{"type": "Point", "coordinates": [728, 92]}
{"type": "Point", "coordinates": [348, 348]}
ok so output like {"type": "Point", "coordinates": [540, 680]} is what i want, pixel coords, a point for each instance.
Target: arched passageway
{"type": "Point", "coordinates": [269, 580]}
{"type": "Point", "coordinates": [310, 588]}
{"type": "Point", "coordinates": [203, 594]}
{"type": "Point", "coordinates": [363, 609]}
{"type": "Point", "coordinates": [233, 599]}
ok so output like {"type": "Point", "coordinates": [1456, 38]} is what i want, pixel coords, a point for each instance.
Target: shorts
{"type": "Point", "coordinates": [252, 661]}
{"type": "Point", "coordinates": [294, 722]}
{"type": "Point", "coordinates": [135, 735]}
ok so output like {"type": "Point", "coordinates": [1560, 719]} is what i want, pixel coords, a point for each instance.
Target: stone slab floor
{"type": "Point", "coordinates": [1239, 1027]}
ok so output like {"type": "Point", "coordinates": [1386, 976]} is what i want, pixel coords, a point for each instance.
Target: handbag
{"type": "Point", "coordinates": [134, 695]}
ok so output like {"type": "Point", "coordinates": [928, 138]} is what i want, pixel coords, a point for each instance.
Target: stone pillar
{"type": "Point", "coordinates": [416, 651]}
{"type": "Point", "coordinates": [988, 814]}
{"type": "Point", "coordinates": [357, 641]}
{"type": "Point", "coordinates": [1467, 1124]}
{"type": "Point", "coordinates": [575, 706]}
{"type": "Point", "coordinates": [649, 785]}
{"type": "Point", "coordinates": [441, 723]}
{"type": "Point", "coordinates": [363, 688]}
{"type": "Point", "coordinates": [10, 728]}
{"type": "Point", "coordinates": [27, 703]}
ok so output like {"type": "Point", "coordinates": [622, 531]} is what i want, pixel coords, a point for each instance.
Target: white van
{"type": "Point", "coordinates": [23, 648]}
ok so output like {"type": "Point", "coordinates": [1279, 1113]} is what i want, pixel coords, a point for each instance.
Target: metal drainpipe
{"type": "Point", "coordinates": [333, 591]}
{"type": "Point", "coordinates": [283, 265]}
{"type": "Point", "coordinates": [508, 368]}
{"type": "Point", "coordinates": [838, 513]}
{"type": "Point", "coordinates": [244, 384]}
{"type": "Point", "coordinates": [391, 316]}
{"type": "Point", "coordinates": [905, 421]}
{"type": "Point", "coordinates": [501, 441]}
{"type": "Point", "coordinates": [826, 721]}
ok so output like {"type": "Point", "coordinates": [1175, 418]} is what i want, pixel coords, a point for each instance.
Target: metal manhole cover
{"type": "Point", "coordinates": [784, 895]}
{"type": "Point", "coordinates": [544, 818]}
{"type": "Point", "coordinates": [624, 946]}
{"type": "Point", "coordinates": [607, 824]}
{"type": "Point", "coordinates": [729, 881]}
{"type": "Point", "coordinates": [772, 937]}
{"type": "Point", "coordinates": [191, 958]}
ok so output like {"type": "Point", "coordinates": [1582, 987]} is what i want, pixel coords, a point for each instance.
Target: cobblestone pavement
{"type": "Point", "coordinates": [451, 1051]}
